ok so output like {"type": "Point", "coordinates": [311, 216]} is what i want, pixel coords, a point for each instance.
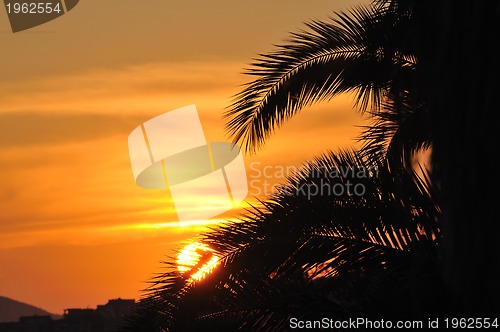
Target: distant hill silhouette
{"type": "Point", "coordinates": [11, 310]}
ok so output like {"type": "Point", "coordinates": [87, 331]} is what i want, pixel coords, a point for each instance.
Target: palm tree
{"type": "Point", "coordinates": [330, 255]}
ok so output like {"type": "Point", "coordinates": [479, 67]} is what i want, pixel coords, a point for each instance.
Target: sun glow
{"type": "Point", "coordinates": [197, 260]}
{"type": "Point", "coordinates": [176, 224]}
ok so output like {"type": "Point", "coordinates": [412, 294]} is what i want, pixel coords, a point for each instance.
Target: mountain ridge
{"type": "Point", "coordinates": [11, 310]}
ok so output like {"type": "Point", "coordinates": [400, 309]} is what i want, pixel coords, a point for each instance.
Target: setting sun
{"type": "Point", "coordinates": [197, 260]}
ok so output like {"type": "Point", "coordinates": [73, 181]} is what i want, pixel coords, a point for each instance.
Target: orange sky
{"type": "Point", "coordinates": [75, 230]}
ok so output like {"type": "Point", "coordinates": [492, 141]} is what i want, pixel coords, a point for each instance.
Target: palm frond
{"type": "Point", "coordinates": [351, 52]}
{"type": "Point", "coordinates": [398, 132]}
{"type": "Point", "coordinates": [298, 253]}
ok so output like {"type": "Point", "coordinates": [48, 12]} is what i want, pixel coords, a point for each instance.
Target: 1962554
{"type": "Point", "coordinates": [33, 8]}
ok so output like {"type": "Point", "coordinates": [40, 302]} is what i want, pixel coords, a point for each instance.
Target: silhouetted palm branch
{"type": "Point", "coordinates": [305, 257]}
{"type": "Point", "coordinates": [397, 133]}
{"type": "Point", "coordinates": [364, 51]}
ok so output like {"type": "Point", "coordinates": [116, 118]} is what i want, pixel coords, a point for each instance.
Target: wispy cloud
{"type": "Point", "coordinates": [35, 128]}
{"type": "Point", "coordinates": [127, 89]}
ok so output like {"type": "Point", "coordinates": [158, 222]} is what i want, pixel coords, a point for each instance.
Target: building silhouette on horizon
{"type": "Point", "coordinates": [105, 318]}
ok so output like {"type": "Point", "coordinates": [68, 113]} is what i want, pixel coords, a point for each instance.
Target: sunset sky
{"type": "Point", "coordinates": [75, 230]}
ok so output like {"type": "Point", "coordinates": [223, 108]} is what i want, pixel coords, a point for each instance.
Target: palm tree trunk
{"type": "Point", "coordinates": [461, 81]}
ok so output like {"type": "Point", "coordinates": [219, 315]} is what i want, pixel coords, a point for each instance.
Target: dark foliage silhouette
{"type": "Point", "coordinates": [459, 79]}
{"type": "Point", "coordinates": [307, 257]}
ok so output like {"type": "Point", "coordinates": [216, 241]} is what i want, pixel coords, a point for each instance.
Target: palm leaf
{"type": "Point", "coordinates": [398, 132]}
{"type": "Point", "coordinates": [296, 255]}
{"type": "Point", "coordinates": [352, 52]}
